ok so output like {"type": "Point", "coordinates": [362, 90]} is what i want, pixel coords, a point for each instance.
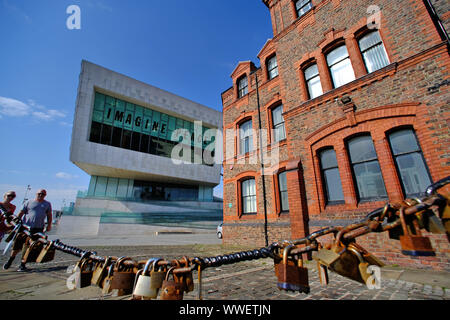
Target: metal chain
{"type": "Point", "coordinates": [379, 220]}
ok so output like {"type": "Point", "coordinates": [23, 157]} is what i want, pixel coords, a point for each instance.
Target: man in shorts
{"type": "Point", "coordinates": [33, 213]}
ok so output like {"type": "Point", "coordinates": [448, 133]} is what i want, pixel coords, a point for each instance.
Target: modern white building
{"type": "Point", "coordinates": [125, 134]}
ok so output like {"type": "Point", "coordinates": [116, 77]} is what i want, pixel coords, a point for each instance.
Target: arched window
{"type": "Point", "coordinates": [248, 195]}
{"type": "Point", "coordinates": [313, 81]}
{"type": "Point", "coordinates": [278, 124]}
{"type": "Point", "coordinates": [302, 7]}
{"type": "Point", "coordinates": [330, 176]}
{"type": "Point", "coordinates": [409, 161]}
{"type": "Point", "coordinates": [282, 186]}
{"type": "Point", "coordinates": [272, 67]}
{"type": "Point", "coordinates": [242, 86]}
{"type": "Point", "coordinates": [245, 137]}
{"type": "Point", "coordinates": [373, 51]}
{"type": "Point", "coordinates": [340, 66]}
{"type": "Point", "coordinates": [366, 169]}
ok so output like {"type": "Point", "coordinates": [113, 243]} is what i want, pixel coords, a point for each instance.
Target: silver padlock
{"type": "Point", "coordinates": [141, 288]}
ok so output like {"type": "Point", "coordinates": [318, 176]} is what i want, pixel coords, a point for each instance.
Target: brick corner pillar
{"type": "Point", "coordinates": [298, 210]}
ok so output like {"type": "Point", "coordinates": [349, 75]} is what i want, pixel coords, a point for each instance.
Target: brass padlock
{"type": "Point", "coordinates": [291, 274]}
{"type": "Point", "coordinates": [171, 289]}
{"type": "Point", "coordinates": [157, 276]}
{"type": "Point", "coordinates": [430, 221]}
{"type": "Point", "coordinates": [322, 271]}
{"type": "Point", "coordinates": [100, 272]}
{"type": "Point", "coordinates": [84, 274]}
{"type": "Point", "coordinates": [123, 279]}
{"type": "Point", "coordinates": [33, 249]}
{"type": "Point", "coordinates": [106, 284]}
{"type": "Point", "coordinates": [414, 245]}
{"type": "Point", "coordinates": [141, 288]}
{"type": "Point", "coordinates": [363, 264]}
{"type": "Point", "coordinates": [47, 253]}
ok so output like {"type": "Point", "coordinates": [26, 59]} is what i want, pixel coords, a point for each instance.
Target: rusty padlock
{"type": "Point", "coordinates": [171, 289]}
{"type": "Point", "coordinates": [389, 211]}
{"type": "Point", "coordinates": [414, 245]}
{"type": "Point", "coordinates": [123, 279]}
{"type": "Point", "coordinates": [291, 274]}
{"type": "Point", "coordinates": [84, 273]}
{"type": "Point", "coordinates": [185, 277]}
{"type": "Point", "coordinates": [47, 253]}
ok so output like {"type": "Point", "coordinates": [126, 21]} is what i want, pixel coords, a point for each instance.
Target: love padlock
{"type": "Point", "coordinates": [47, 253]}
{"type": "Point", "coordinates": [141, 288]}
{"type": "Point", "coordinates": [291, 274]}
{"type": "Point", "coordinates": [100, 272]}
{"type": "Point", "coordinates": [84, 273]}
{"type": "Point", "coordinates": [123, 278]}
{"type": "Point", "coordinates": [171, 289]}
{"type": "Point", "coordinates": [414, 245]}
{"type": "Point", "coordinates": [157, 276]}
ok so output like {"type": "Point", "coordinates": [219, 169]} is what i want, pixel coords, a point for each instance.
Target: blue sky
{"type": "Point", "coordinates": [188, 48]}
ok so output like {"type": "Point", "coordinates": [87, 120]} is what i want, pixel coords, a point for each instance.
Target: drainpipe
{"type": "Point", "coordinates": [437, 21]}
{"type": "Point", "coordinates": [262, 163]}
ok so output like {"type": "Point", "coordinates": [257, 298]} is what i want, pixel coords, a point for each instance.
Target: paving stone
{"type": "Point", "coordinates": [247, 280]}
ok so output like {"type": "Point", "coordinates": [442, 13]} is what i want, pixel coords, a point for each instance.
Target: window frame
{"type": "Point", "coordinates": [380, 43]}
{"type": "Point", "coordinates": [280, 193]}
{"type": "Point", "coordinates": [337, 45]}
{"type": "Point", "coordinates": [244, 90]}
{"type": "Point", "coordinates": [324, 180]}
{"type": "Point", "coordinates": [394, 158]}
{"type": "Point", "coordinates": [269, 75]}
{"type": "Point", "coordinates": [307, 81]}
{"type": "Point", "coordinates": [297, 10]}
{"type": "Point", "coordinates": [352, 167]}
{"type": "Point", "coordinates": [275, 126]}
{"type": "Point", "coordinates": [242, 197]}
{"type": "Point", "coordinates": [249, 137]}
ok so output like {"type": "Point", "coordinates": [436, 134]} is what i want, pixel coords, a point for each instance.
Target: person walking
{"type": "Point", "coordinates": [33, 214]}
{"type": "Point", "coordinates": [7, 209]}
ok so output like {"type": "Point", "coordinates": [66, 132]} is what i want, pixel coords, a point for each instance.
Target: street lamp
{"type": "Point", "coordinates": [26, 192]}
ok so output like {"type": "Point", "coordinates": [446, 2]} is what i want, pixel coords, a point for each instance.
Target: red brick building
{"type": "Point", "coordinates": [356, 100]}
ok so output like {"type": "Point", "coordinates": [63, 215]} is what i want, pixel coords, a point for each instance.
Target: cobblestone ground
{"type": "Point", "coordinates": [249, 280]}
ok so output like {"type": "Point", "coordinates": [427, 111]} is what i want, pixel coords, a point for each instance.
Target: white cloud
{"type": "Point", "coordinates": [65, 175]}
{"type": "Point", "coordinates": [14, 108]}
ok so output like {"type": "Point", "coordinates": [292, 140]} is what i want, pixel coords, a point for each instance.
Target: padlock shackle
{"type": "Point", "coordinates": [149, 263]}
{"type": "Point", "coordinates": [437, 185]}
{"type": "Point", "coordinates": [356, 252]}
{"type": "Point", "coordinates": [286, 252]}
{"type": "Point", "coordinates": [403, 220]}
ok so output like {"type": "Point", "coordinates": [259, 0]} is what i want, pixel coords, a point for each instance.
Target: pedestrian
{"type": "Point", "coordinates": [7, 209]}
{"type": "Point", "coordinates": [33, 215]}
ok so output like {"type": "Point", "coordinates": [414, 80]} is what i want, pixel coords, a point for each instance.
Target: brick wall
{"type": "Point", "coordinates": [411, 91]}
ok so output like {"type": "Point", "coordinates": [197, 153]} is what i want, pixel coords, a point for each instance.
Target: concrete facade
{"type": "Point", "coordinates": [118, 163]}
{"type": "Point", "coordinates": [102, 160]}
